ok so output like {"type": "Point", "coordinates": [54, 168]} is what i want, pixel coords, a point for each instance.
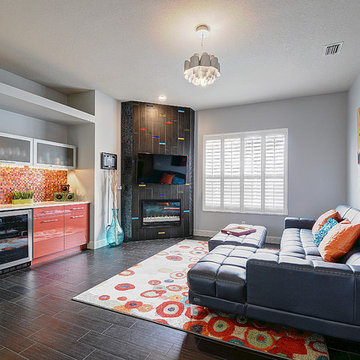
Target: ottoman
{"type": "Point", "coordinates": [256, 239]}
{"type": "Point", "coordinates": [218, 280]}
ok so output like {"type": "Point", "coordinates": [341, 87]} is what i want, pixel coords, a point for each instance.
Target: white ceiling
{"type": "Point", "coordinates": [135, 49]}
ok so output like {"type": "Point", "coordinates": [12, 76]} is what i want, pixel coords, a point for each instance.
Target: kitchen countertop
{"type": "Point", "coordinates": [40, 205]}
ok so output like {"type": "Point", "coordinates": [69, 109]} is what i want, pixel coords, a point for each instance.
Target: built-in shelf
{"type": "Point", "coordinates": [25, 103]}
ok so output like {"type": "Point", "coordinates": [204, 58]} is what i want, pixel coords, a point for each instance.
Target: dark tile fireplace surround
{"type": "Point", "coordinates": [152, 211]}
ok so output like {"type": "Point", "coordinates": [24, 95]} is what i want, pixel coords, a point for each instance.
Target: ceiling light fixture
{"type": "Point", "coordinates": [205, 69]}
{"type": "Point", "coordinates": [162, 97]}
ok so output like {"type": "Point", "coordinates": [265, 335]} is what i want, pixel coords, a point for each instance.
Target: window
{"type": "Point", "coordinates": [246, 172]}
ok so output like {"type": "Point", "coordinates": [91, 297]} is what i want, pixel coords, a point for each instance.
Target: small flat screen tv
{"type": "Point", "coordinates": [161, 169]}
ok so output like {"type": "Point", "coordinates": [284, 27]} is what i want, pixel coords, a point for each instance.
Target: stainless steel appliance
{"type": "Point", "coordinates": [15, 238]}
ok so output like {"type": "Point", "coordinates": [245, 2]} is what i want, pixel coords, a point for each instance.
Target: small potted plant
{"type": "Point", "coordinates": [22, 197]}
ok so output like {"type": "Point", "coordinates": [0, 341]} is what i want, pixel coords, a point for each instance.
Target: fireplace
{"type": "Point", "coordinates": [160, 212]}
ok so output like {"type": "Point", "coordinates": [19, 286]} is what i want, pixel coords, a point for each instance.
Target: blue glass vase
{"type": "Point", "coordinates": [114, 232]}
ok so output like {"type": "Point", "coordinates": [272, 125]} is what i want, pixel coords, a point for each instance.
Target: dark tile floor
{"type": "Point", "coordinates": [39, 321]}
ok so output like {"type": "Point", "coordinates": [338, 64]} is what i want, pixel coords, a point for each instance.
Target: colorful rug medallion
{"type": "Point", "coordinates": [156, 289]}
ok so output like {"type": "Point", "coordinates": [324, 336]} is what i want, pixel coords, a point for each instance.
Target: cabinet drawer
{"type": "Point", "coordinates": [48, 235]}
{"type": "Point", "coordinates": [76, 208]}
{"type": "Point", "coordinates": [76, 229]}
{"type": "Point", "coordinates": [49, 211]}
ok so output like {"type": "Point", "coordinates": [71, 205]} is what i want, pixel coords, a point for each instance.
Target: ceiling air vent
{"type": "Point", "coordinates": [333, 49]}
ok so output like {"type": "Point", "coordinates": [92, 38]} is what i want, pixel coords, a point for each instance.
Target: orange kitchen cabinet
{"type": "Point", "coordinates": [48, 231]}
{"type": "Point", "coordinates": [83, 208]}
{"type": "Point", "coordinates": [76, 226]}
{"type": "Point", "coordinates": [59, 230]}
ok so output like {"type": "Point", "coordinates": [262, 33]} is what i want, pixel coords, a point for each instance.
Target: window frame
{"type": "Point", "coordinates": [242, 135]}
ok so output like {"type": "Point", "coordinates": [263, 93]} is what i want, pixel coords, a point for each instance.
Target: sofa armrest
{"type": "Point", "coordinates": [299, 223]}
{"type": "Point", "coordinates": [308, 287]}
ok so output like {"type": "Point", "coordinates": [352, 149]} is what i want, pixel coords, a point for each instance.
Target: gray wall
{"type": "Point", "coordinates": [32, 87]}
{"type": "Point", "coordinates": [317, 154]}
{"type": "Point", "coordinates": [18, 124]}
{"type": "Point", "coordinates": [353, 195]}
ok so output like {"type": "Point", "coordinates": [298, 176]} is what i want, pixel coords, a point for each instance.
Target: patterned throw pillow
{"type": "Point", "coordinates": [319, 236]}
{"type": "Point", "coordinates": [339, 241]}
{"type": "Point", "coordinates": [320, 222]}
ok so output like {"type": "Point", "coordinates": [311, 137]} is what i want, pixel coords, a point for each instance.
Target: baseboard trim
{"type": "Point", "coordinates": [211, 233]}
{"type": "Point", "coordinates": [97, 244]}
{"type": "Point", "coordinates": [272, 240]}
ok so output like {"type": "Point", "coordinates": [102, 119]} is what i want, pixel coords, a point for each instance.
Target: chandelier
{"type": "Point", "coordinates": [205, 69]}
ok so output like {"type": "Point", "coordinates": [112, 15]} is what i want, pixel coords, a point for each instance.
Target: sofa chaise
{"type": "Point", "coordinates": [293, 286]}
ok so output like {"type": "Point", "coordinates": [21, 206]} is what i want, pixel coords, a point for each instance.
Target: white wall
{"type": "Point", "coordinates": [353, 194]}
{"type": "Point", "coordinates": [88, 178]}
{"type": "Point", "coordinates": [107, 139]}
{"type": "Point", "coordinates": [317, 155]}
{"type": "Point", "coordinates": [82, 180]}
{"type": "Point", "coordinates": [27, 126]}
{"type": "Point", "coordinates": [32, 87]}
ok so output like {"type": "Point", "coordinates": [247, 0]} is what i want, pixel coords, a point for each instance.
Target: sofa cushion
{"type": "Point", "coordinates": [299, 242]}
{"type": "Point", "coordinates": [350, 213]}
{"type": "Point", "coordinates": [256, 239]}
{"type": "Point", "coordinates": [322, 219]}
{"type": "Point", "coordinates": [339, 241]}
{"type": "Point", "coordinates": [222, 273]}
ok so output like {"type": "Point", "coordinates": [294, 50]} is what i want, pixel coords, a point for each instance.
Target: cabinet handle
{"type": "Point", "coordinates": [75, 217]}
{"type": "Point", "coordinates": [79, 208]}
{"type": "Point", "coordinates": [49, 221]}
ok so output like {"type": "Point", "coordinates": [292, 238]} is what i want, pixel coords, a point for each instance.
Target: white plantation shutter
{"type": "Point", "coordinates": [252, 173]}
{"type": "Point", "coordinates": [231, 173]}
{"type": "Point", "coordinates": [275, 173]}
{"type": "Point", "coordinates": [212, 174]}
{"type": "Point", "coordinates": [246, 172]}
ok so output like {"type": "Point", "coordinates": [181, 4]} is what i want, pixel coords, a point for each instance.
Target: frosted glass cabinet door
{"type": "Point", "coordinates": [16, 149]}
{"type": "Point", "coordinates": [52, 154]}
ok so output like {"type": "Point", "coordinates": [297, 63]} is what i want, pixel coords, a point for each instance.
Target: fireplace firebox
{"type": "Point", "coordinates": [160, 212]}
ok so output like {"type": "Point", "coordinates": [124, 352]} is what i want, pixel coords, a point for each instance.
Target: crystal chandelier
{"type": "Point", "coordinates": [205, 69]}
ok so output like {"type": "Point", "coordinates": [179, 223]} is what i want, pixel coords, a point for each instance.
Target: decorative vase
{"type": "Point", "coordinates": [114, 232]}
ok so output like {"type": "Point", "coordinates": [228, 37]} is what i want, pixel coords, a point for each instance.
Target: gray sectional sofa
{"type": "Point", "coordinates": [293, 286]}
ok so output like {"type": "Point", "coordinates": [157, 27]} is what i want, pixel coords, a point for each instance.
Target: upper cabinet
{"type": "Point", "coordinates": [16, 149]}
{"type": "Point", "coordinates": [22, 150]}
{"type": "Point", "coordinates": [52, 154]}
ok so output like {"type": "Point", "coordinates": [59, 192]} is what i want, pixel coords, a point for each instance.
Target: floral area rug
{"type": "Point", "coordinates": [156, 289]}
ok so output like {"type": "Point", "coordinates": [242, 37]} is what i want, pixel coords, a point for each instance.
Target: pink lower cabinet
{"type": "Point", "coordinates": [59, 230]}
{"type": "Point", "coordinates": [48, 230]}
{"type": "Point", "coordinates": [76, 228]}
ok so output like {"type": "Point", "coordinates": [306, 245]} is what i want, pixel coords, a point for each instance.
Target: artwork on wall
{"type": "Point", "coordinates": [358, 133]}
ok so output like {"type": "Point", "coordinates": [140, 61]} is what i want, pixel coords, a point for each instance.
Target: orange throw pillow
{"type": "Point", "coordinates": [339, 240]}
{"type": "Point", "coordinates": [321, 221]}
{"type": "Point", "coordinates": [167, 178]}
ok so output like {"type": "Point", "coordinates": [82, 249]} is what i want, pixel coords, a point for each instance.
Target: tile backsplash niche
{"type": "Point", "coordinates": [43, 182]}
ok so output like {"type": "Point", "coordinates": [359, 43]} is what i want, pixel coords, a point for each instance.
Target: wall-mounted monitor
{"type": "Point", "coordinates": [108, 161]}
{"type": "Point", "coordinates": [161, 169]}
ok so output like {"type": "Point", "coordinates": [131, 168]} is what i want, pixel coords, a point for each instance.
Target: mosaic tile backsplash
{"type": "Point", "coordinates": [43, 182]}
